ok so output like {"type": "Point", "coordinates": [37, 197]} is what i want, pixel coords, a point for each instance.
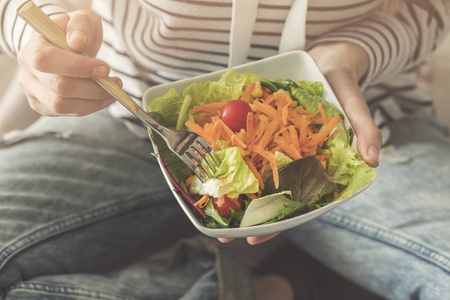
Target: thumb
{"type": "Point", "coordinates": [368, 134]}
{"type": "Point", "coordinates": [84, 32]}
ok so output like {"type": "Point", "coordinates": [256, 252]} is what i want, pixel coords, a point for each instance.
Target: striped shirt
{"type": "Point", "coordinates": [150, 42]}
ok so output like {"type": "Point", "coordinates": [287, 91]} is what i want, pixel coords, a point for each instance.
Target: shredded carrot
{"type": "Point", "coordinates": [190, 179]}
{"type": "Point", "coordinates": [261, 127]}
{"type": "Point", "coordinates": [324, 156]}
{"type": "Point", "coordinates": [268, 135]}
{"type": "Point", "coordinates": [336, 195]}
{"type": "Point", "coordinates": [210, 135]}
{"type": "Point", "coordinates": [266, 92]}
{"type": "Point", "coordinates": [248, 92]}
{"type": "Point", "coordinates": [276, 177]}
{"type": "Point", "coordinates": [225, 132]}
{"type": "Point", "coordinates": [281, 131]}
{"type": "Point", "coordinates": [211, 108]}
{"type": "Point", "coordinates": [269, 99]}
{"type": "Point", "coordinates": [194, 127]}
{"type": "Point", "coordinates": [294, 137]}
{"type": "Point", "coordinates": [290, 150]}
{"type": "Point", "coordinates": [322, 113]}
{"type": "Point", "coordinates": [239, 140]}
{"type": "Point", "coordinates": [251, 196]}
{"type": "Point", "coordinates": [202, 119]}
{"type": "Point", "coordinates": [284, 101]}
{"type": "Point", "coordinates": [250, 131]}
{"type": "Point", "coordinates": [267, 109]}
{"type": "Point", "coordinates": [322, 135]}
{"type": "Point", "coordinates": [274, 125]}
{"type": "Point", "coordinates": [203, 201]}
{"type": "Point", "coordinates": [254, 171]}
{"type": "Point", "coordinates": [237, 203]}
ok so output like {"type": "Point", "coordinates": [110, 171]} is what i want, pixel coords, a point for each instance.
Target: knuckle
{"type": "Point", "coordinates": [77, 70]}
{"type": "Point", "coordinates": [101, 93]}
{"type": "Point", "coordinates": [40, 59]}
{"type": "Point", "coordinates": [59, 84]}
{"type": "Point", "coordinates": [57, 105]}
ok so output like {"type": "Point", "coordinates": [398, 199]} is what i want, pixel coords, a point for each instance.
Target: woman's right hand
{"type": "Point", "coordinates": [57, 82]}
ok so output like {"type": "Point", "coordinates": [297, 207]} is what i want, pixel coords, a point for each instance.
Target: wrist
{"type": "Point", "coordinates": [341, 56]}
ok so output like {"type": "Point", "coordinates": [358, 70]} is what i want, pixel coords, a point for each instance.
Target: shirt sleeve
{"type": "Point", "coordinates": [395, 43]}
{"type": "Point", "coordinates": [14, 33]}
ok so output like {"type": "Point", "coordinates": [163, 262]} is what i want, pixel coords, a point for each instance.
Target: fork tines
{"type": "Point", "coordinates": [198, 152]}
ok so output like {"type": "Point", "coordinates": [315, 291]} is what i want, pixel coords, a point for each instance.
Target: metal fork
{"type": "Point", "coordinates": [188, 146]}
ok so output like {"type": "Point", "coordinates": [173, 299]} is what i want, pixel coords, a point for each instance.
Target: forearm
{"type": "Point", "coordinates": [395, 43]}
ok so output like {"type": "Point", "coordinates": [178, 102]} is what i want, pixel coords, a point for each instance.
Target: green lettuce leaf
{"type": "Point", "coordinates": [168, 106]}
{"type": "Point", "coordinates": [314, 88]}
{"type": "Point", "coordinates": [239, 179]}
{"type": "Point", "coordinates": [281, 159]}
{"type": "Point", "coordinates": [264, 209]}
{"type": "Point", "coordinates": [216, 220]}
{"type": "Point", "coordinates": [346, 168]}
{"type": "Point", "coordinates": [291, 209]}
{"type": "Point", "coordinates": [307, 94]}
{"type": "Point", "coordinates": [311, 102]}
{"type": "Point", "coordinates": [228, 88]}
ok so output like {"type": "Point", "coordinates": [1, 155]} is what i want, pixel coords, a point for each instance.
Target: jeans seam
{"type": "Point", "coordinates": [389, 237]}
{"type": "Point", "coordinates": [66, 290]}
{"type": "Point", "coordinates": [73, 222]}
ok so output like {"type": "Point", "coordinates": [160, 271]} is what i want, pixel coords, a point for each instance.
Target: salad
{"type": "Point", "coordinates": [283, 149]}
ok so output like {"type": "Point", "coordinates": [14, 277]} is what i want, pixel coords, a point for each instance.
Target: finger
{"type": "Point", "coordinates": [79, 31]}
{"type": "Point", "coordinates": [358, 113]}
{"type": "Point", "coordinates": [254, 240]}
{"type": "Point", "coordinates": [47, 103]}
{"type": "Point", "coordinates": [225, 240]}
{"type": "Point", "coordinates": [83, 31]}
{"type": "Point", "coordinates": [44, 57]}
{"type": "Point", "coordinates": [83, 88]}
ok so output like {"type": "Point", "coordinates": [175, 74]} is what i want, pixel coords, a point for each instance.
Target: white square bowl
{"type": "Point", "coordinates": [296, 65]}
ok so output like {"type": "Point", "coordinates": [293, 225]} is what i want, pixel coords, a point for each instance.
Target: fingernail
{"type": "Point", "coordinates": [101, 71]}
{"type": "Point", "coordinates": [78, 36]}
{"type": "Point", "coordinates": [118, 81]}
{"type": "Point", "coordinates": [373, 153]}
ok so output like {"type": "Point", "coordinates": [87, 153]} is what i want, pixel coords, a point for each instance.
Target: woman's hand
{"type": "Point", "coordinates": [252, 240]}
{"type": "Point", "coordinates": [57, 82]}
{"type": "Point", "coordinates": [344, 64]}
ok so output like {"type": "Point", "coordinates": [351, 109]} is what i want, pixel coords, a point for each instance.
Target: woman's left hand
{"type": "Point", "coordinates": [344, 64]}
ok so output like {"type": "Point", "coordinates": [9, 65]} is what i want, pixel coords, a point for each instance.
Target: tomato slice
{"type": "Point", "coordinates": [225, 209]}
{"type": "Point", "coordinates": [234, 114]}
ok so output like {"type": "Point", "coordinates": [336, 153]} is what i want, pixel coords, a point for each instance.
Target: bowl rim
{"type": "Point", "coordinates": [261, 229]}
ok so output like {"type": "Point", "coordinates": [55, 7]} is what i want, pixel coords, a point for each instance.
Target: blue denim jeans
{"type": "Point", "coordinates": [393, 239]}
{"type": "Point", "coordinates": [83, 204]}
{"type": "Point", "coordinates": [81, 201]}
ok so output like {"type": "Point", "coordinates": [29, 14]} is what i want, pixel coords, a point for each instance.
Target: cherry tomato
{"type": "Point", "coordinates": [224, 210]}
{"type": "Point", "coordinates": [234, 114]}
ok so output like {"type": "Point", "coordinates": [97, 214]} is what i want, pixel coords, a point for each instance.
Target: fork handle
{"type": "Point", "coordinates": [40, 22]}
